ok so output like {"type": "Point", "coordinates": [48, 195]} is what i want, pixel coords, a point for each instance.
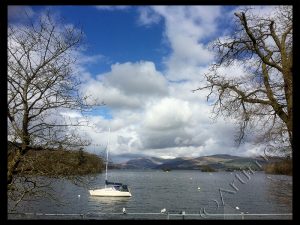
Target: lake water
{"type": "Point", "coordinates": [177, 191]}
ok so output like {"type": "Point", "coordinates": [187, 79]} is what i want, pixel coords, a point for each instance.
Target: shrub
{"type": "Point", "coordinates": [206, 168]}
{"type": "Point", "coordinates": [284, 167]}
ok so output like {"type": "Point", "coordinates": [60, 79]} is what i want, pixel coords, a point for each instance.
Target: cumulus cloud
{"type": "Point", "coordinates": [128, 85]}
{"type": "Point", "coordinates": [140, 78]}
{"type": "Point", "coordinates": [147, 16]}
{"type": "Point", "coordinates": [71, 114]}
{"type": "Point", "coordinates": [155, 112]}
{"type": "Point", "coordinates": [186, 29]}
{"type": "Point", "coordinates": [109, 95]}
{"type": "Point", "coordinates": [176, 123]}
{"type": "Point", "coordinates": [165, 114]}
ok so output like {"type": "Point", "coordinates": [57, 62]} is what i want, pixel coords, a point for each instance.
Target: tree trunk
{"type": "Point", "coordinates": [13, 164]}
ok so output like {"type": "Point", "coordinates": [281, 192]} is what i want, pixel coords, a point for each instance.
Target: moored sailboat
{"type": "Point", "coordinates": [111, 189]}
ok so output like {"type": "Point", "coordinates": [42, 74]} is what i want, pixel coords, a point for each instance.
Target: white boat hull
{"type": "Point", "coordinates": [106, 192]}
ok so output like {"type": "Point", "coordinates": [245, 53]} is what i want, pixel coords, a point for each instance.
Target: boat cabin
{"type": "Point", "coordinates": [121, 188]}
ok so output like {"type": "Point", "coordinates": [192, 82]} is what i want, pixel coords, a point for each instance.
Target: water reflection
{"type": "Point", "coordinates": [109, 200]}
{"type": "Point", "coordinates": [280, 189]}
{"type": "Point", "coordinates": [107, 204]}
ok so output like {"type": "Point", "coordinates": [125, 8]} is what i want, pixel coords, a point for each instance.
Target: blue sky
{"type": "Point", "coordinates": [116, 35]}
{"type": "Point", "coordinates": [143, 62]}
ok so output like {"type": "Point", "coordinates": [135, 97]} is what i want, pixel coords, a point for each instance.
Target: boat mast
{"type": "Point", "coordinates": [107, 157]}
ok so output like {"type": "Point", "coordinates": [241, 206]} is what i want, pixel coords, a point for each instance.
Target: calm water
{"type": "Point", "coordinates": [176, 191]}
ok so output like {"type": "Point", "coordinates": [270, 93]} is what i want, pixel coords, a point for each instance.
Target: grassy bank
{"type": "Point", "coordinates": [59, 163]}
{"type": "Point", "coordinates": [207, 168]}
{"type": "Point", "coordinates": [284, 167]}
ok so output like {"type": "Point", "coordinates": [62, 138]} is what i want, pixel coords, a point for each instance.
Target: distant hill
{"type": "Point", "coordinates": [219, 162]}
{"type": "Point", "coordinates": [140, 163]}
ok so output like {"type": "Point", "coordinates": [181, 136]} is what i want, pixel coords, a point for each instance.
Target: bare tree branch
{"type": "Point", "coordinates": [264, 96]}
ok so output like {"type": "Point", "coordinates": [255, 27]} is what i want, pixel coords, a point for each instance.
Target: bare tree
{"type": "Point", "coordinates": [261, 97]}
{"type": "Point", "coordinates": [41, 84]}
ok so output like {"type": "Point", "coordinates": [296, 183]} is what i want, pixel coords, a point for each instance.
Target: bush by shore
{"type": "Point", "coordinates": [207, 168]}
{"type": "Point", "coordinates": [284, 167]}
{"type": "Point", "coordinates": [56, 163]}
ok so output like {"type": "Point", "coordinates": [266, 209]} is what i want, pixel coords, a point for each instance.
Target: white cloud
{"type": "Point", "coordinates": [174, 124]}
{"type": "Point", "coordinates": [165, 115]}
{"type": "Point", "coordinates": [71, 114]}
{"type": "Point", "coordinates": [150, 114]}
{"type": "Point", "coordinates": [111, 96]}
{"type": "Point", "coordinates": [235, 70]}
{"type": "Point", "coordinates": [186, 31]}
{"type": "Point", "coordinates": [259, 11]}
{"type": "Point", "coordinates": [112, 7]}
{"type": "Point", "coordinates": [139, 78]}
{"type": "Point", "coordinates": [128, 85]}
{"type": "Point", "coordinates": [170, 120]}
{"type": "Point", "coordinates": [147, 17]}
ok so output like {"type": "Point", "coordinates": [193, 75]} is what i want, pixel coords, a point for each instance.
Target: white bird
{"type": "Point", "coordinates": [199, 188]}
{"type": "Point", "coordinates": [163, 210]}
{"type": "Point", "coordinates": [124, 210]}
{"type": "Point", "coordinates": [78, 196]}
{"type": "Point", "coordinates": [237, 208]}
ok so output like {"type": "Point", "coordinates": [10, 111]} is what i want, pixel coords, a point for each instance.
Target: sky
{"type": "Point", "coordinates": [143, 62]}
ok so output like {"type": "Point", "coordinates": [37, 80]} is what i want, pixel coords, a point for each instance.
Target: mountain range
{"type": "Point", "coordinates": [219, 162]}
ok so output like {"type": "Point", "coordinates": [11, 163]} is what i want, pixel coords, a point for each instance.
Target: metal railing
{"type": "Point", "coordinates": [136, 215]}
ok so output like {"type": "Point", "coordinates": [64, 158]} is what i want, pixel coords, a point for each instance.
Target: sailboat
{"type": "Point", "coordinates": [111, 189]}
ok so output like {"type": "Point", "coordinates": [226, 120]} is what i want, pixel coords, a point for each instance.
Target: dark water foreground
{"type": "Point", "coordinates": [184, 194]}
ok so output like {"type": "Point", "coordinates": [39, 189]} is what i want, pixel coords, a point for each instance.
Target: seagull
{"type": "Point", "coordinates": [124, 210]}
{"type": "Point", "coordinates": [163, 210]}
{"type": "Point", "coordinates": [237, 208]}
{"type": "Point", "coordinates": [78, 196]}
{"type": "Point", "coordinates": [198, 188]}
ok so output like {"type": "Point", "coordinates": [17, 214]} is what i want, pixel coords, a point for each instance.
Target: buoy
{"type": "Point", "coordinates": [163, 210]}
